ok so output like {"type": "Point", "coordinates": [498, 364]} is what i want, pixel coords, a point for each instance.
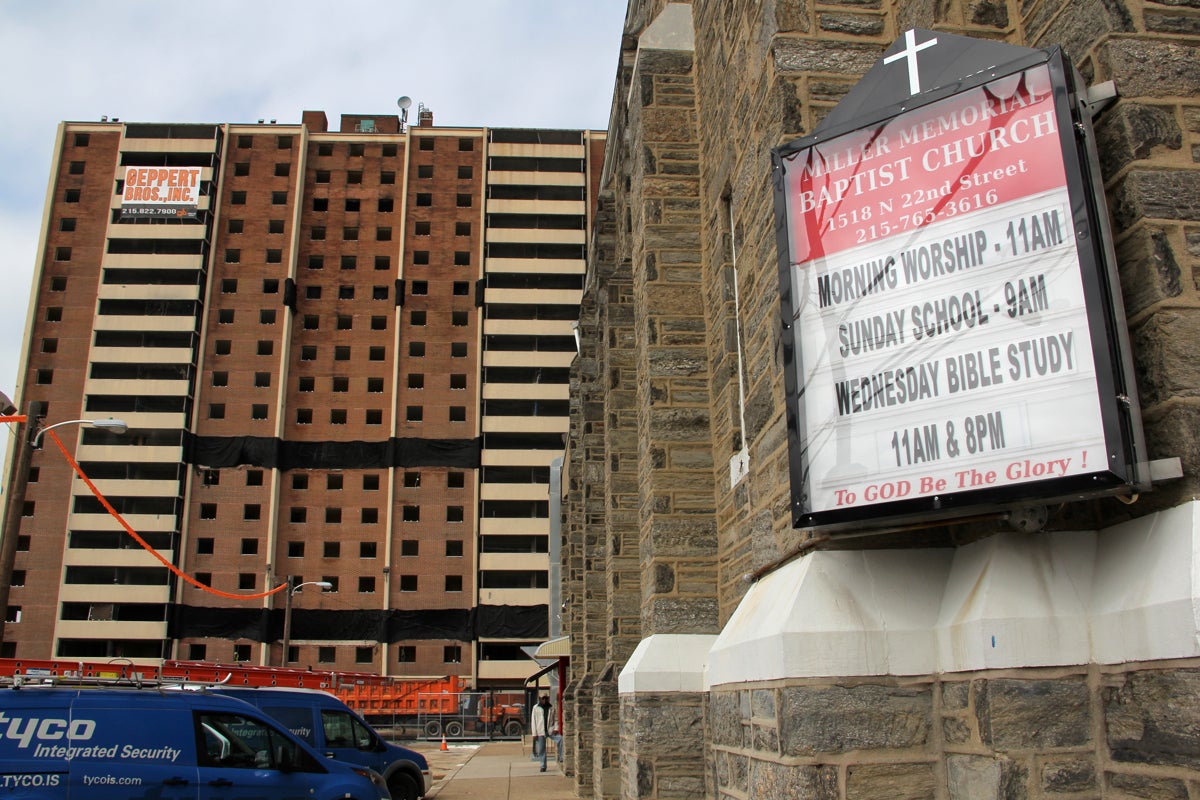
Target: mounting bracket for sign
{"type": "Point", "coordinates": [954, 336]}
{"type": "Point", "coordinates": [1099, 97]}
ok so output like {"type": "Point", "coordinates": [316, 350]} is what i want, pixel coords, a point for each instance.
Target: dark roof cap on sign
{"type": "Point", "coordinates": [932, 62]}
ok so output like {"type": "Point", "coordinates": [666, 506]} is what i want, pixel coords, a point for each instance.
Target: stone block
{"type": "Point", "coordinates": [675, 239]}
{"type": "Point", "coordinates": [669, 124]}
{"type": "Point", "coordinates": [1073, 775]}
{"type": "Point", "coordinates": [1038, 12]}
{"type": "Point", "coordinates": [829, 90]}
{"type": "Point", "coordinates": [1154, 718]}
{"type": "Point", "coordinates": [1083, 23]}
{"type": "Point", "coordinates": [768, 779]}
{"type": "Point", "coordinates": [1151, 67]}
{"type": "Point", "coordinates": [681, 615]}
{"type": "Point", "coordinates": [643, 776]}
{"type": "Point", "coordinates": [785, 15]}
{"type": "Point", "coordinates": [1175, 433]}
{"type": "Point", "coordinates": [1131, 132]}
{"type": "Point", "coordinates": [956, 695]}
{"type": "Point", "coordinates": [987, 13]}
{"type": "Point", "coordinates": [893, 781]}
{"type": "Point", "coordinates": [1033, 714]}
{"type": "Point", "coordinates": [664, 579]}
{"type": "Point", "coordinates": [836, 719]}
{"type": "Point", "coordinates": [1160, 21]}
{"type": "Point", "coordinates": [983, 778]}
{"type": "Point", "coordinates": [737, 771]}
{"type": "Point", "coordinates": [691, 458]}
{"type": "Point", "coordinates": [764, 739]}
{"type": "Point", "coordinates": [762, 703]}
{"type": "Point", "coordinates": [840, 58]}
{"type": "Point", "coordinates": [955, 731]}
{"type": "Point", "coordinates": [1155, 194]}
{"type": "Point", "coordinates": [1167, 356]}
{"type": "Point", "coordinates": [1123, 786]}
{"type": "Point", "coordinates": [921, 14]}
{"type": "Point", "coordinates": [761, 407]}
{"type": "Point", "coordinates": [666, 727]}
{"type": "Point", "coordinates": [678, 424]}
{"type": "Point", "coordinates": [664, 62]}
{"type": "Point", "coordinates": [725, 719]}
{"type": "Point", "coordinates": [851, 24]}
{"type": "Point", "coordinates": [1149, 271]}
{"type": "Point", "coordinates": [665, 362]}
{"type": "Point", "coordinates": [681, 538]}
{"type": "Point", "coordinates": [680, 787]}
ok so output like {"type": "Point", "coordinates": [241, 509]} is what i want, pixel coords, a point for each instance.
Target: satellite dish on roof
{"type": "Point", "coordinates": [404, 102]}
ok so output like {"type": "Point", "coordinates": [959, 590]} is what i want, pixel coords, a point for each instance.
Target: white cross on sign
{"type": "Point", "coordinates": [909, 53]}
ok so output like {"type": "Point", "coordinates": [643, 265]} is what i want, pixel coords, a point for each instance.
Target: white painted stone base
{"type": "Point", "coordinates": [667, 663]}
{"type": "Point", "coordinates": [1126, 593]}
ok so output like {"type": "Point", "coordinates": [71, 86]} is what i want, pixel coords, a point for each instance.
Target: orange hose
{"type": "Point", "coordinates": [104, 502]}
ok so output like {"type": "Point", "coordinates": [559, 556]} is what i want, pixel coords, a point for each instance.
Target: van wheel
{"type": "Point", "coordinates": [454, 729]}
{"type": "Point", "coordinates": [403, 787]}
{"type": "Point", "coordinates": [433, 729]}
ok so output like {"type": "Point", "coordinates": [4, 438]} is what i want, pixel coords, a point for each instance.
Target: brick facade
{"type": "Point", "coordinates": [391, 305]}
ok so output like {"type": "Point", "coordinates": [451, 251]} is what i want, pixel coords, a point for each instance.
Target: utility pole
{"type": "Point", "coordinates": [292, 588]}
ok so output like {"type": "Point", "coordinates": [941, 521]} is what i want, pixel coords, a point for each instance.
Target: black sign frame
{"type": "Point", "coordinates": [1124, 468]}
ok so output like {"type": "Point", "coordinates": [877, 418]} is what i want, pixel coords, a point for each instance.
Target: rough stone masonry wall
{"type": "Point", "coordinates": [675, 470]}
{"type": "Point", "coordinates": [583, 532]}
{"type": "Point", "coordinates": [673, 399]}
{"type": "Point", "coordinates": [622, 571]}
{"type": "Point", "coordinates": [1063, 734]}
{"type": "Point", "coordinates": [765, 72]}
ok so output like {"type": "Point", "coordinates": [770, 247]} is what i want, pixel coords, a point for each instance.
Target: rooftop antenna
{"type": "Point", "coordinates": [405, 103]}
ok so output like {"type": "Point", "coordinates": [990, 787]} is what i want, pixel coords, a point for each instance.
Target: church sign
{"type": "Point", "coordinates": [953, 336]}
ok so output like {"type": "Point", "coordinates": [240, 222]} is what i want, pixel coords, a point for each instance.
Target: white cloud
{"type": "Point", "coordinates": [520, 63]}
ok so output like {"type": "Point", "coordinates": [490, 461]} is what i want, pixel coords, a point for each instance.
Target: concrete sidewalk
{"type": "Point", "coordinates": [497, 771]}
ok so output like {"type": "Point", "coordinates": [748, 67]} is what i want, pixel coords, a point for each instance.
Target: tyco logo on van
{"type": "Point", "coordinates": [25, 729]}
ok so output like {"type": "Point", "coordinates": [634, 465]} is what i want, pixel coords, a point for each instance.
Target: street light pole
{"type": "Point", "coordinates": [114, 425]}
{"type": "Point", "coordinates": [29, 436]}
{"type": "Point", "coordinates": [287, 611]}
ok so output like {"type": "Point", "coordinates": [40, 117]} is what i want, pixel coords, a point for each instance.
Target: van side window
{"type": "Point", "coordinates": [343, 730]}
{"type": "Point", "coordinates": [297, 720]}
{"type": "Point", "coordinates": [233, 741]}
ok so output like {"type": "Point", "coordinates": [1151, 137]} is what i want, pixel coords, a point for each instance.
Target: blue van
{"type": "Point", "coordinates": [332, 728]}
{"type": "Point", "coordinates": [122, 744]}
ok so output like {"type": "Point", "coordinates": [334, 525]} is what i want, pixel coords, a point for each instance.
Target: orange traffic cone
{"type": "Point", "coordinates": [444, 742]}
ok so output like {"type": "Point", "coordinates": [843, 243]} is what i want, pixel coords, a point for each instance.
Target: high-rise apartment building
{"type": "Point", "coordinates": [343, 359]}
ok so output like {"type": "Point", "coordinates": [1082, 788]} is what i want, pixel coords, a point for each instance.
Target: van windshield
{"type": "Point", "coordinates": [343, 730]}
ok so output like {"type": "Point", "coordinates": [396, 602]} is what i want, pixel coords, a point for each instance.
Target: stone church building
{"type": "Point", "coordinates": [719, 650]}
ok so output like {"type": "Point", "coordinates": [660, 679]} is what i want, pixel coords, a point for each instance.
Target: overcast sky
{"type": "Point", "coordinates": [499, 63]}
